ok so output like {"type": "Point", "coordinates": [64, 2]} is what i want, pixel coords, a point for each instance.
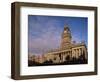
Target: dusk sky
{"type": "Point", "coordinates": [44, 32]}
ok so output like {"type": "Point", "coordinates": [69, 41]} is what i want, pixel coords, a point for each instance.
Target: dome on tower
{"type": "Point", "coordinates": [66, 29]}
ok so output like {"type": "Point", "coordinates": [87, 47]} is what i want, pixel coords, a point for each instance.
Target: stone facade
{"type": "Point", "coordinates": [67, 49]}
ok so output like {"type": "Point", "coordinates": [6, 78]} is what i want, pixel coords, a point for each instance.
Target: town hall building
{"type": "Point", "coordinates": [67, 49]}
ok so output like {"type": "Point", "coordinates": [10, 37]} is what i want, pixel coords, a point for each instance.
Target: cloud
{"type": "Point", "coordinates": [44, 32]}
{"type": "Point", "coordinates": [43, 35]}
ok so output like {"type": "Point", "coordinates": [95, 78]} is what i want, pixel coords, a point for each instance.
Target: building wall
{"type": "Point", "coordinates": [75, 52]}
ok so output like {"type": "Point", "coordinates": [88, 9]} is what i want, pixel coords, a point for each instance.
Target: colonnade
{"type": "Point", "coordinates": [75, 52]}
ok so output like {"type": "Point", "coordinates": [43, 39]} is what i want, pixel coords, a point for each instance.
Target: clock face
{"type": "Point", "coordinates": [65, 31]}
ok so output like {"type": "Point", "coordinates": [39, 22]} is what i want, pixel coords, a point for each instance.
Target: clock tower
{"type": "Point", "coordinates": [66, 37]}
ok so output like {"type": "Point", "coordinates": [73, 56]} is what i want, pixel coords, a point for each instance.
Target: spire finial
{"type": "Point", "coordinates": [65, 26]}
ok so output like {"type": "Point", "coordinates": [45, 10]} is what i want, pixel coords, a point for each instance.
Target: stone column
{"type": "Point", "coordinates": [85, 53]}
{"type": "Point", "coordinates": [75, 52]}
{"type": "Point", "coordinates": [62, 57]}
{"type": "Point", "coordinates": [71, 54]}
{"type": "Point", "coordinates": [79, 51]}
